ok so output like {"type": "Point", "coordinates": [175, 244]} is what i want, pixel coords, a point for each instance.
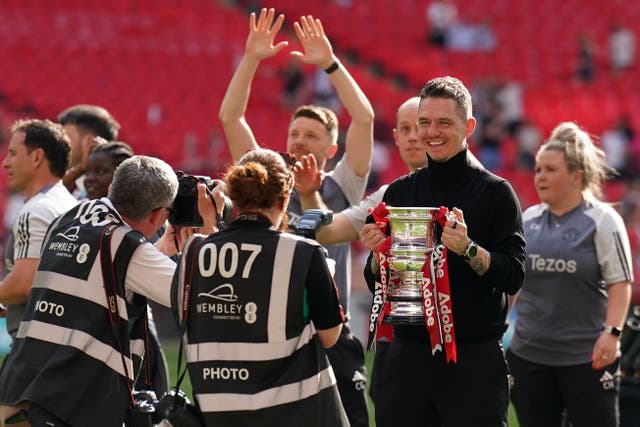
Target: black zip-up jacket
{"type": "Point", "coordinates": [494, 221]}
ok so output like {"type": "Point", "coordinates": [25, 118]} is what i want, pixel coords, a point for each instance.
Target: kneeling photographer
{"type": "Point", "coordinates": [84, 327]}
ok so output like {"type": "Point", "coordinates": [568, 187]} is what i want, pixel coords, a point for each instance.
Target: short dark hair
{"type": "Point", "coordinates": [51, 138]}
{"type": "Point", "coordinates": [91, 119]}
{"type": "Point", "coordinates": [450, 88]}
{"type": "Point", "coordinates": [118, 151]}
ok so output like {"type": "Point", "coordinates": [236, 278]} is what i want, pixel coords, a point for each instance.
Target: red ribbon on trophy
{"type": "Point", "coordinates": [436, 293]}
{"type": "Point", "coordinates": [436, 298]}
{"type": "Point", "coordinates": [379, 307]}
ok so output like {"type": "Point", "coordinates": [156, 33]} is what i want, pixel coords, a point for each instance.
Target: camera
{"type": "Point", "coordinates": [185, 206]}
{"type": "Point", "coordinates": [143, 414]}
{"type": "Point", "coordinates": [174, 407]}
{"type": "Point", "coordinates": [311, 221]}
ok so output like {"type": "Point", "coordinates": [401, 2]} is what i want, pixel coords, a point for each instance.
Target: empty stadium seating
{"type": "Point", "coordinates": [128, 55]}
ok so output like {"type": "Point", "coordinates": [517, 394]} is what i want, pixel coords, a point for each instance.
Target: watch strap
{"type": "Point", "coordinates": [471, 250]}
{"type": "Point", "coordinates": [613, 330]}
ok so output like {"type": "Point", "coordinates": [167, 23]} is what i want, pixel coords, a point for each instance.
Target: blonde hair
{"type": "Point", "coordinates": [580, 154]}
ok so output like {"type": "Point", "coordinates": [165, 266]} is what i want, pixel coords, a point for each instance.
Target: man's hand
{"type": "Point", "coordinates": [308, 178]}
{"type": "Point", "coordinates": [259, 43]}
{"type": "Point", "coordinates": [454, 234]}
{"type": "Point", "coordinates": [207, 210]}
{"type": "Point", "coordinates": [316, 45]}
{"type": "Point", "coordinates": [371, 236]}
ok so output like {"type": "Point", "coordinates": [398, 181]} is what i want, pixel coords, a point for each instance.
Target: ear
{"type": "Point", "coordinates": [87, 140]}
{"type": "Point", "coordinates": [395, 136]}
{"type": "Point", "coordinates": [157, 217]}
{"type": "Point", "coordinates": [333, 149]}
{"type": "Point", "coordinates": [38, 157]}
{"type": "Point", "coordinates": [285, 202]}
{"type": "Point", "coordinates": [577, 176]}
{"type": "Point", "coordinates": [470, 126]}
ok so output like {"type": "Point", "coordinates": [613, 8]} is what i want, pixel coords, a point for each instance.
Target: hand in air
{"type": "Point", "coordinates": [316, 45]}
{"type": "Point", "coordinates": [262, 34]}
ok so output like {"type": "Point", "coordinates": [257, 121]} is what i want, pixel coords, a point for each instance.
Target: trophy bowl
{"type": "Point", "coordinates": [412, 241]}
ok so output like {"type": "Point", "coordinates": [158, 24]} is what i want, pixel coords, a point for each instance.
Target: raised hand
{"type": "Point", "coordinates": [308, 177]}
{"type": "Point", "coordinates": [316, 45]}
{"type": "Point", "coordinates": [262, 34]}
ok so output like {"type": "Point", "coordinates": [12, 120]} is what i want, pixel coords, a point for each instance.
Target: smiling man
{"type": "Point", "coordinates": [485, 258]}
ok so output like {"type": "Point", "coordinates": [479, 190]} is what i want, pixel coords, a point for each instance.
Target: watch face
{"type": "Point", "coordinates": [473, 250]}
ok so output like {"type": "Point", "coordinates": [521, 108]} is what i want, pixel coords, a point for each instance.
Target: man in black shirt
{"type": "Point", "coordinates": [485, 258]}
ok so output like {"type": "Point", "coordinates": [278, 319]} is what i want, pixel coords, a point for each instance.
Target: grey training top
{"type": "Point", "coordinates": [570, 261]}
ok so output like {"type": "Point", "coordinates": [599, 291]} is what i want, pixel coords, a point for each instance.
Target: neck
{"type": "Point", "coordinates": [272, 214]}
{"type": "Point", "coordinates": [566, 205]}
{"type": "Point", "coordinates": [36, 185]}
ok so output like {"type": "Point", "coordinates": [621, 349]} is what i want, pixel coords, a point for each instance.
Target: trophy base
{"type": "Point", "coordinates": [404, 312]}
{"type": "Point", "coordinates": [403, 320]}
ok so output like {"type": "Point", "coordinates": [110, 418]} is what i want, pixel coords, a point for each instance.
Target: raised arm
{"type": "Point", "coordinates": [318, 51]}
{"type": "Point", "coordinates": [259, 46]}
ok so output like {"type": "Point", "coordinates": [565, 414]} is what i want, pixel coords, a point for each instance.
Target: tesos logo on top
{"type": "Point", "coordinates": [222, 302]}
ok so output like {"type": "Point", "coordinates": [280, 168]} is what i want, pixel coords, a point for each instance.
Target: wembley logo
{"type": "Point", "coordinates": [71, 234]}
{"type": "Point", "coordinates": [221, 293]}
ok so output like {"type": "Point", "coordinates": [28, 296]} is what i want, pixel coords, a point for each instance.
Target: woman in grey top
{"type": "Point", "coordinates": [564, 351]}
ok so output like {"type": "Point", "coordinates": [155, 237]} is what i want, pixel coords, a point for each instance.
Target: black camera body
{"type": "Point", "coordinates": [311, 221]}
{"type": "Point", "coordinates": [174, 407]}
{"type": "Point", "coordinates": [185, 206]}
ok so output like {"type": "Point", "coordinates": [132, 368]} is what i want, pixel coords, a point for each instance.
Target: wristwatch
{"type": "Point", "coordinates": [471, 251]}
{"type": "Point", "coordinates": [612, 330]}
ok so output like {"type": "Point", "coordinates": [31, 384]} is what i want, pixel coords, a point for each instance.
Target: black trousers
{"type": "Point", "coordinates": [412, 388]}
{"type": "Point", "coordinates": [542, 393]}
{"type": "Point", "coordinates": [347, 360]}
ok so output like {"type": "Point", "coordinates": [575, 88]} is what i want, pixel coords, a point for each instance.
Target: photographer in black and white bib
{"type": "Point", "coordinates": [69, 366]}
{"type": "Point", "coordinates": [259, 307]}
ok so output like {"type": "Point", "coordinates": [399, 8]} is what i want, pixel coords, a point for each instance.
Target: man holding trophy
{"type": "Point", "coordinates": [441, 279]}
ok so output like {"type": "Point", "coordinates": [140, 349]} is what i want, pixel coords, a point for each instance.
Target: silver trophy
{"type": "Point", "coordinates": [412, 241]}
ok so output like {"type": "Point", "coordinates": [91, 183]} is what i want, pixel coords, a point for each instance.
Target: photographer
{"type": "Point", "coordinates": [72, 362]}
{"type": "Point", "coordinates": [259, 306]}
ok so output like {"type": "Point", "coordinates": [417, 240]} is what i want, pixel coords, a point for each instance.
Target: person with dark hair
{"type": "Point", "coordinates": [37, 158]}
{"type": "Point", "coordinates": [481, 243]}
{"type": "Point", "coordinates": [83, 329]}
{"type": "Point", "coordinates": [565, 348]}
{"type": "Point", "coordinates": [102, 164]}
{"type": "Point", "coordinates": [84, 122]}
{"type": "Point", "coordinates": [259, 306]}
{"type": "Point", "coordinates": [313, 132]}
